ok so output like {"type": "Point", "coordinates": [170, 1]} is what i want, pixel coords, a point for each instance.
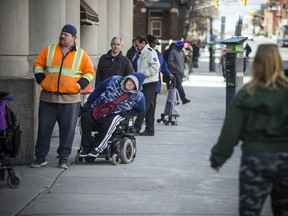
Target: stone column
{"type": "Point", "coordinates": [14, 70]}
{"type": "Point", "coordinates": [126, 23]}
{"type": "Point", "coordinates": [72, 16]}
{"type": "Point", "coordinates": [113, 19]}
{"type": "Point", "coordinates": [90, 41]}
{"type": "Point", "coordinates": [14, 46]}
{"type": "Point", "coordinates": [89, 35]}
{"type": "Point", "coordinates": [49, 18]}
{"type": "Point", "coordinates": [102, 38]}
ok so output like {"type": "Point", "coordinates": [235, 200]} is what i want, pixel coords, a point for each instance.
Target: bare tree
{"type": "Point", "coordinates": [196, 14]}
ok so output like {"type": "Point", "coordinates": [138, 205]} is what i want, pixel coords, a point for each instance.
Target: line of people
{"type": "Point", "coordinates": [63, 69]}
{"type": "Point", "coordinates": [257, 112]}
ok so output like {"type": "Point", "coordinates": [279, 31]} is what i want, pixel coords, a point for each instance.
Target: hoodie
{"type": "Point", "coordinates": [260, 121]}
{"type": "Point", "coordinates": [176, 61]}
{"type": "Point", "coordinates": [113, 87]}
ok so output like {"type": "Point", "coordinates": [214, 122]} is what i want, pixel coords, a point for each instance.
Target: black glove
{"type": "Point", "coordinates": [86, 106]}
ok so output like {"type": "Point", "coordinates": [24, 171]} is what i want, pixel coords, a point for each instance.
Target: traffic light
{"type": "Point", "coordinates": [244, 2]}
{"type": "Point", "coordinates": [216, 4]}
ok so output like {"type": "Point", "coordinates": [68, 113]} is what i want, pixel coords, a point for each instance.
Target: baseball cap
{"type": "Point", "coordinates": [70, 29]}
{"type": "Point", "coordinates": [179, 43]}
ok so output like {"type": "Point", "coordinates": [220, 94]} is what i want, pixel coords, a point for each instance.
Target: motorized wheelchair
{"type": "Point", "coordinates": [121, 146]}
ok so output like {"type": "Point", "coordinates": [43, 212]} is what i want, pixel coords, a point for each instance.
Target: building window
{"type": "Point", "coordinates": [156, 28]}
{"type": "Point", "coordinates": [155, 23]}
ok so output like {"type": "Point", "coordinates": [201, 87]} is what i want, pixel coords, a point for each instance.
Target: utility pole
{"type": "Point", "coordinates": [222, 28]}
{"type": "Point", "coordinates": [238, 28]}
{"type": "Point", "coordinates": [211, 47]}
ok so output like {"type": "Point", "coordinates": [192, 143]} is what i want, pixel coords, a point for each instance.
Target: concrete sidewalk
{"type": "Point", "coordinates": [171, 174]}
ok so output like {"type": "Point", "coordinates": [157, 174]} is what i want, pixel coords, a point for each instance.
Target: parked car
{"type": "Point", "coordinates": [282, 42]}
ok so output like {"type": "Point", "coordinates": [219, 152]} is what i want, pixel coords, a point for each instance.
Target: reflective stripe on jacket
{"type": "Point", "coordinates": [63, 72]}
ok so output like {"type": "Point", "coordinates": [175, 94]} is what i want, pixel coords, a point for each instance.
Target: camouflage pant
{"type": "Point", "coordinates": [262, 175]}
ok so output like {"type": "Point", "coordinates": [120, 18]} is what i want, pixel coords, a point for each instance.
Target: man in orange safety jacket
{"type": "Point", "coordinates": [62, 70]}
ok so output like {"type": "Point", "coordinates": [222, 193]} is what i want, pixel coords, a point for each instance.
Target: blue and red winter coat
{"type": "Point", "coordinates": [112, 88]}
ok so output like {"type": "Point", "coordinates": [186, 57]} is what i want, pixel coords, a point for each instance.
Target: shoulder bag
{"type": "Point", "coordinates": [100, 112]}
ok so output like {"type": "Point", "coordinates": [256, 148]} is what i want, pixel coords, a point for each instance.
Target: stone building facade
{"type": "Point", "coordinates": [26, 26]}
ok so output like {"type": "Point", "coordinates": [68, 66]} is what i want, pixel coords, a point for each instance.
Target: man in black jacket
{"type": "Point", "coordinates": [113, 63]}
{"type": "Point", "coordinates": [133, 55]}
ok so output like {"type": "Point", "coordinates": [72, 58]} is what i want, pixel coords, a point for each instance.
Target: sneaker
{"type": "Point", "coordinates": [93, 153]}
{"type": "Point", "coordinates": [84, 152]}
{"type": "Point", "coordinates": [39, 162]}
{"type": "Point", "coordinates": [63, 163]}
{"type": "Point", "coordinates": [186, 101]}
{"type": "Point", "coordinates": [146, 133]}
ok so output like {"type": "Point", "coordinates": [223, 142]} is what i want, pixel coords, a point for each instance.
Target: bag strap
{"type": "Point", "coordinates": [121, 98]}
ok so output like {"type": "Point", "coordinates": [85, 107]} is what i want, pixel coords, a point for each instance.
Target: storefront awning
{"type": "Point", "coordinates": [158, 4]}
{"type": "Point", "coordinates": [87, 15]}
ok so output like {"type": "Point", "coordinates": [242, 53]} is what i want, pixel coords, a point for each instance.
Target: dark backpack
{"type": "Point", "coordinates": [10, 139]}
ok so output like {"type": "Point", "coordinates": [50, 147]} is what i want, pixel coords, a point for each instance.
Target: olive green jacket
{"type": "Point", "coordinates": [260, 121]}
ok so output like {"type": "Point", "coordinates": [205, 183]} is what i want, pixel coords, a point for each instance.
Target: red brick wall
{"type": "Point", "coordinates": [172, 28]}
{"type": "Point", "coordinates": [140, 24]}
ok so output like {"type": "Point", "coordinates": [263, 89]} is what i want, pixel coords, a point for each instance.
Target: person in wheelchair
{"type": "Point", "coordinates": [106, 91]}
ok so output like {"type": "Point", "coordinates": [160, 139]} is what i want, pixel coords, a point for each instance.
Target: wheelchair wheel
{"type": "Point", "coordinates": [127, 150]}
{"type": "Point", "coordinates": [115, 159]}
{"type": "Point", "coordinates": [13, 179]}
{"type": "Point", "coordinates": [78, 159]}
{"type": "Point", "coordinates": [89, 159]}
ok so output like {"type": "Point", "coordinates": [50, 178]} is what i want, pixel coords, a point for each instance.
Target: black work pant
{"type": "Point", "coordinates": [66, 115]}
{"type": "Point", "coordinates": [105, 130]}
{"type": "Point", "coordinates": [148, 90]}
{"type": "Point", "coordinates": [150, 115]}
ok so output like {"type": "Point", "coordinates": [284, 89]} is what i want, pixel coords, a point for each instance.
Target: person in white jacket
{"type": "Point", "coordinates": [148, 63]}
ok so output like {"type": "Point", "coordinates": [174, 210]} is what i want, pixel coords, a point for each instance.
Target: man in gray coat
{"type": "Point", "coordinates": [176, 65]}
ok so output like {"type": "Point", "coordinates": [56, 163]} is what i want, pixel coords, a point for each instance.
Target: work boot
{"type": "Point", "coordinates": [185, 101]}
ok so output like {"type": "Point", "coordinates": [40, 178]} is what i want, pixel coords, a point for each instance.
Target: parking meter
{"type": "Point", "coordinates": [234, 66]}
